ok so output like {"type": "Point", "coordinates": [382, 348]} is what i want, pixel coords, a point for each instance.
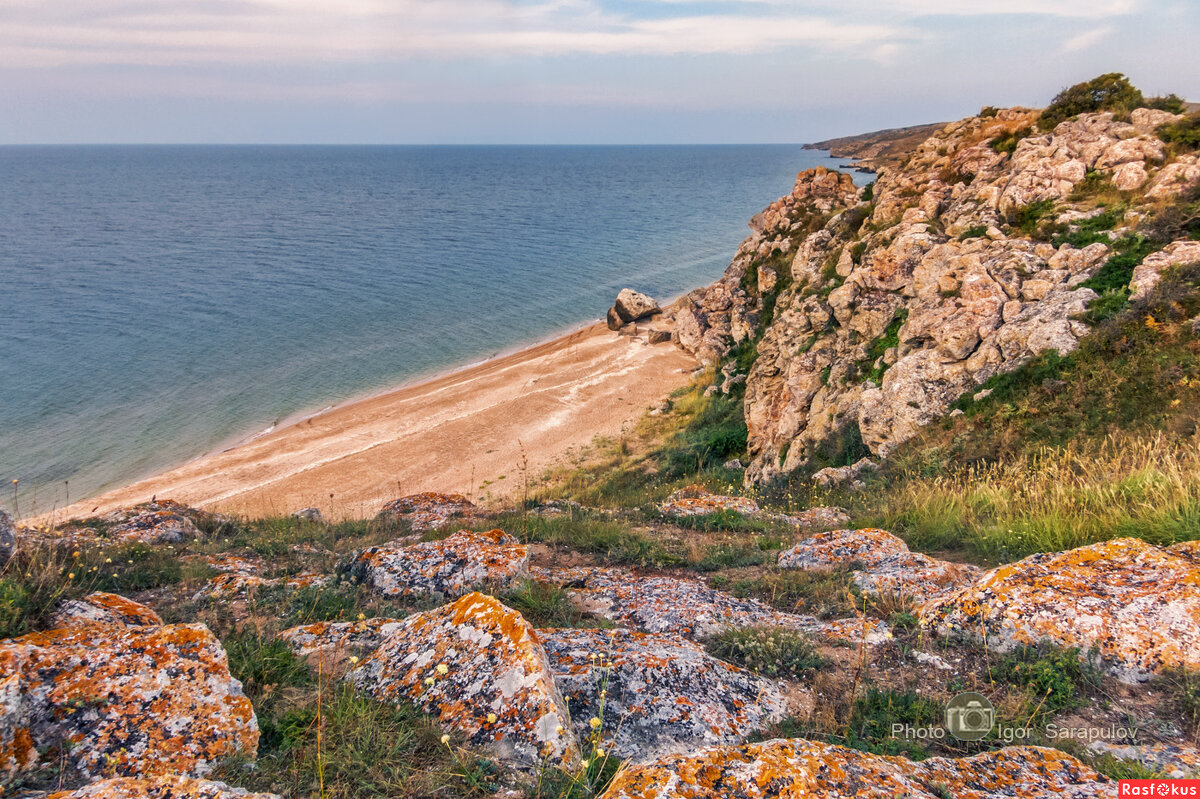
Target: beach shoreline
{"type": "Point", "coordinates": [485, 429]}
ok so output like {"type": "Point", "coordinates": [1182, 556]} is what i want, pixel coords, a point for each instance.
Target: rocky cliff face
{"type": "Point", "coordinates": [866, 314]}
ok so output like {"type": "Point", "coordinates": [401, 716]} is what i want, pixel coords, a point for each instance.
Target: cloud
{"type": "Point", "coordinates": [1086, 39]}
{"type": "Point", "coordinates": [304, 31]}
{"type": "Point", "coordinates": [1085, 9]}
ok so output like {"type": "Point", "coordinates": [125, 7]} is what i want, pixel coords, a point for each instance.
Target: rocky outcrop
{"type": "Point", "coordinates": [310, 515]}
{"type": "Point", "coordinates": [448, 568]}
{"type": "Point", "coordinates": [428, 511]}
{"type": "Point", "coordinates": [1147, 274]}
{"type": "Point", "coordinates": [883, 563]}
{"type": "Point", "coordinates": [633, 305]}
{"type": "Point", "coordinates": [662, 604]}
{"type": "Point", "coordinates": [160, 521]}
{"type": "Point", "coordinates": [335, 642]}
{"type": "Point", "coordinates": [871, 318]}
{"type": "Point", "coordinates": [104, 609]}
{"type": "Point", "coordinates": [105, 700]}
{"type": "Point", "coordinates": [1132, 606]}
{"type": "Point", "coordinates": [477, 667]}
{"type": "Point", "coordinates": [656, 694]}
{"type": "Point", "coordinates": [8, 538]}
{"type": "Point", "coordinates": [792, 769]}
{"type": "Point", "coordinates": [697, 501]}
{"type": "Point", "coordinates": [159, 788]}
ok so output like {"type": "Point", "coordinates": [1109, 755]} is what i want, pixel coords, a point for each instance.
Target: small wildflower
{"type": "Point", "coordinates": [362, 616]}
{"type": "Point", "coordinates": [353, 660]}
{"type": "Point", "coordinates": [491, 717]}
{"type": "Point", "coordinates": [108, 560]}
{"type": "Point", "coordinates": [442, 668]}
{"type": "Point", "coordinates": [559, 729]}
{"type": "Point", "coordinates": [599, 752]}
{"type": "Point", "coordinates": [595, 722]}
{"type": "Point", "coordinates": [75, 554]}
{"type": "Point", "coordinates": [585, 764]}
{"type": "Point", "coordinates": [429, 681]}
{"type": "Point", "coordinates": [445, 739]}
{"type": "Point", "coordinates": [71, 576]}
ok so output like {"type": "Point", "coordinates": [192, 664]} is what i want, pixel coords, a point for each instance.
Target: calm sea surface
{"type": "Point", "coordinates": [157, 303]}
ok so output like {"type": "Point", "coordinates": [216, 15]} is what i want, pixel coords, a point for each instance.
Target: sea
{"type": "Point", "coordinates": [158, 303]}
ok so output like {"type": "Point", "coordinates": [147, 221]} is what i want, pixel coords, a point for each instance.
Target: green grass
{"type": "Point", "coordinates": [1027, 219]}
{"type": "Point", "coordinates": [817, 592]}
{"type": "Point", "coordinates": [548, 606]}
{"type": "Point", "coordinates": [612, 540]}
{"type": "Point", "coordinates": [771, 652]}
{"type": "Point", "coordinates": [1007, 144]}
{"type": "Point", "coordinates": [874, 713]}
{"type": "Point", "coordinates": [1055, 678]}
{"type": "Point", "coordinates": [973, 232]}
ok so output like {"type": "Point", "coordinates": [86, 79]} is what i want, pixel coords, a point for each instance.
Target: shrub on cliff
{"type": "Point", "coordinates": [1109, 92]}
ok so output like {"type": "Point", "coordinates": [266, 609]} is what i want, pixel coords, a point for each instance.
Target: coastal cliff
{"type": "Point", "coordinates": [856, 317]}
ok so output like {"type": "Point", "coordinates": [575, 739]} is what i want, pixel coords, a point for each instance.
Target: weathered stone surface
{"type": "Point", "coordinates": [1136, 606]}
{"type": "Point", "coordinates": [662, 604]}
{"type": "Point", "coordinates": [633, 305]}
{"type": "Point", "coordinates": [467, 660]}
{"type": "Point", "coordinates": [663, 694]}
{"type": "Point", "coordinates": [697, 501]}
{"type": "Point", "coordinates": [1177, 177]}
{"type": "Point", "coordinates": [162, 521]}
{"type": "Point", "coordinates": [310, 515]}
{"type": "Point", "coordinates": [428, 511]}
{"type": "Point", "coordinates": [818, 518]}
{"type": "Point", "coordinates": [885, 564]}
{"type": "Point", "coordinates": [798, 769]}
{"type": "Point", "coordinates": [335, 642]}
{"type": "Point", "coordinates": [614, 320]}
{"type": "Point", "coordinates": [233, 585]}
{"type": "Point", "coordinates": [1176, 761]}
{"type": "Point", "coordinates": [160, 788]}
{"type": "Point", "coordinates": [448, 568]}
{"type": "Point", "coordinates": [104, 609]}
{"type": "Point", "coordinates": [8, 538]}
{"type": "Point", "coordinates": [1147, 274]}
{"type": "Point", "coordinates": [122, 701]}
{"type": "Point", "coordinates": [844, 475]}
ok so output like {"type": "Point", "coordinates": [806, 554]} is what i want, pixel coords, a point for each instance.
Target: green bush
{"type": "Point", "coordinates": [770, 651]}
{"type": "Point", "coordinates": [1053, 676]}
{"type": "Point", "coordinates": [1109, 92]}
{"type": "Point", "coordinates": [1007, 144]}
{"type": "Point", "coordinates": [1184, 134]}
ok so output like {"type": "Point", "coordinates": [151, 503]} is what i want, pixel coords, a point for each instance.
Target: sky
{"type": "Point", "coordinates": [558, 71]}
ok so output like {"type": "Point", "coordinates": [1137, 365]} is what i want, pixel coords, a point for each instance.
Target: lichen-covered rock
{"type": "Point", "coordinates": [477, 667]}
{"type": "Point", "coordinates": [1147, 274]}
{"type": "Point", "coordinates": [1134, 605]}
{"type": "Point", "coordinates": [799, 769]}
{"type": "Point", "coordinates": [662, 604]}
{"type": "Point", "coordinates": [159, 788]}
{"type": "Point", "coordinates": [1176, 761]}
{"type": "Point", "coordinates": [8, 538]}
{"type": "Point", "coordinates": [428, 511]}
{"type": "Point", "coordinates": [313, 515]}
{"type": "Point", "coordinates": [163, 521]}
{"type": "Point", "coordinates": [104, 609]}
{"type": "Point", "coordinates": [633, 305]}
{"type": "Point", "coordinates": [123, 701]}
{"type": "Point", "coordinates": [663, 694]}
{"type": "Point", "coordinates": [832, 476]}
{"type": "Point", "coordinates": [335, 642]}
{"type": "Point", "coordinates": [232, 585]}
{"type": "Point", "coordinates": [818, 518]}
{"type": "Point", "coordinates": [697, 501]}
{"type": "Point", "coordinates": [883, 563]}
{"type": "Point", "coordinates": [448, 568]}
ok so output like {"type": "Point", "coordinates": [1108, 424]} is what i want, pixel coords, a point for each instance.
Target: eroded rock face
{"type": "Point", "coordinates": [160, 788]}
{"type": "Point", "coordinates": [661, 604]}
{"type": "Point", "coordinates": [884, 563]}
{"type": "Point", "coordinates": [428, 511]}
{"type": "Point", "coordinates": [664, 695]}
{"type": "Point", "coordinates": [104, 609]}
{"type": "Point", "coordinates": [633, 305]}
{"type": "Point", "coordinates": [798, 769]}
{"type": "Point", "coordinates": [467, 660]}
{"type": "Point", "coordinates": [893, 310]}
{"type": "Point", "coordinates": [1135, 605]}
{"type": "Point", "coordinates": [448, 568]}
{"type": "Point", "coordinates": [1147, 274]}
{"type": "Point", "coordinates": [134, 701]}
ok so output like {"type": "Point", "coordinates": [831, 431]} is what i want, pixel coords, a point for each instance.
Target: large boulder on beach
{"type": "Point", "coordinates": [103, 701]}
{"type": "Point", "coordinates": [633, 305]}
{"type": "Point", "coordinates": [448, 568]}
{"type": "Point", "coordinates": [1132, 606]}
{"type": "Point", "coordinates": [173, 787]}
{"type": "Point", "coordinates": [477, 667]}
{"type": "Point", "coordinates": [794, 769]}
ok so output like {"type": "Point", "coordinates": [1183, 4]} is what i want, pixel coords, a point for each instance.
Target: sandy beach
{"type": "Point", "coordinates": [476, 431]}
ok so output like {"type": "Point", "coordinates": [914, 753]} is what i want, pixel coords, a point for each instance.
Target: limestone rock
{"type": "Point", "coordinates": [1175, 761]}
{"type": "Point", "coordinates": [797, 769]}
{"type": "Point", "coordinates": [134, 701]}
{"type": "Point", "coordinates": [310, 515]}
{"type": "Point", "coordinates": [104, 609]}
{"type": "Point", "coordinates": [493, 664]}
{"type": "Point", "coordinates": [818, 518]}
{"type": "Point", "coordinates": [697, 501]}
{"type": "Point", "coordinates": [1135, 605]}
{"type": "Point", "coordinates": [335, 642]}
{"type": "Point", "coordinates": [1147, 274]}
{"type": "Point", "coordinates": [633, 305]}
{"type": "Point", "coordinates": [448, 568]}
{"type": "Point", "coordinates": [159, 788]}
{"type": "Point", "coordinates": [428, 511]}
{"type": "Point", "coordinates": [233, 585]}
{"type": "Point", "coordinates": [8, 538]}
{"type": "Point", "coordinates": [613, 320]}
{"type": "Point", "coordinates": [662, 604]}
{"type": "Point", "coordinates": [664, 695]}
{"type": "Point", "coordinates": [1177, 177]}
{"type": "Point", "coordinates": [162, 521]}
{"type": "Point", "coordinates": [841, 475]}
{"type": "Point", "coordinates": [885, 564]}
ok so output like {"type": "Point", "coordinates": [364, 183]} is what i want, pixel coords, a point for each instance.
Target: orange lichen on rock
{"type": "Point", "coordinates": [428, 511]}
{"type": "Point", "coordinates": [803, 769]}
{"type": "Point", "coordinates": [448, 568]}
{"type": "Point", "coordinates": [1134, 606]}
{"type": "Point", "coordinates": [477, 667]}
{"type": "Point", "coordinates": [885, 564]}
{"type": "Point", "coordinates": [335, 642]}
{"type": "Point", "coordinates": [104, 609]}
{"type": "Point", "coordinates": [697, 501]}
{"type": "Point", "coordinates": [159, 788]}
{"type": "Point", "coordinates": [106, 700]}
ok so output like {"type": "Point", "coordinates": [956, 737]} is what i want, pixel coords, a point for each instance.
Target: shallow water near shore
{"type": "Point", "coordinates": [157, 303]}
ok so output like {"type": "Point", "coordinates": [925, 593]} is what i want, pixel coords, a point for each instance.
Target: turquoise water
{"type": "Point", "coordinates": [157, 303]}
